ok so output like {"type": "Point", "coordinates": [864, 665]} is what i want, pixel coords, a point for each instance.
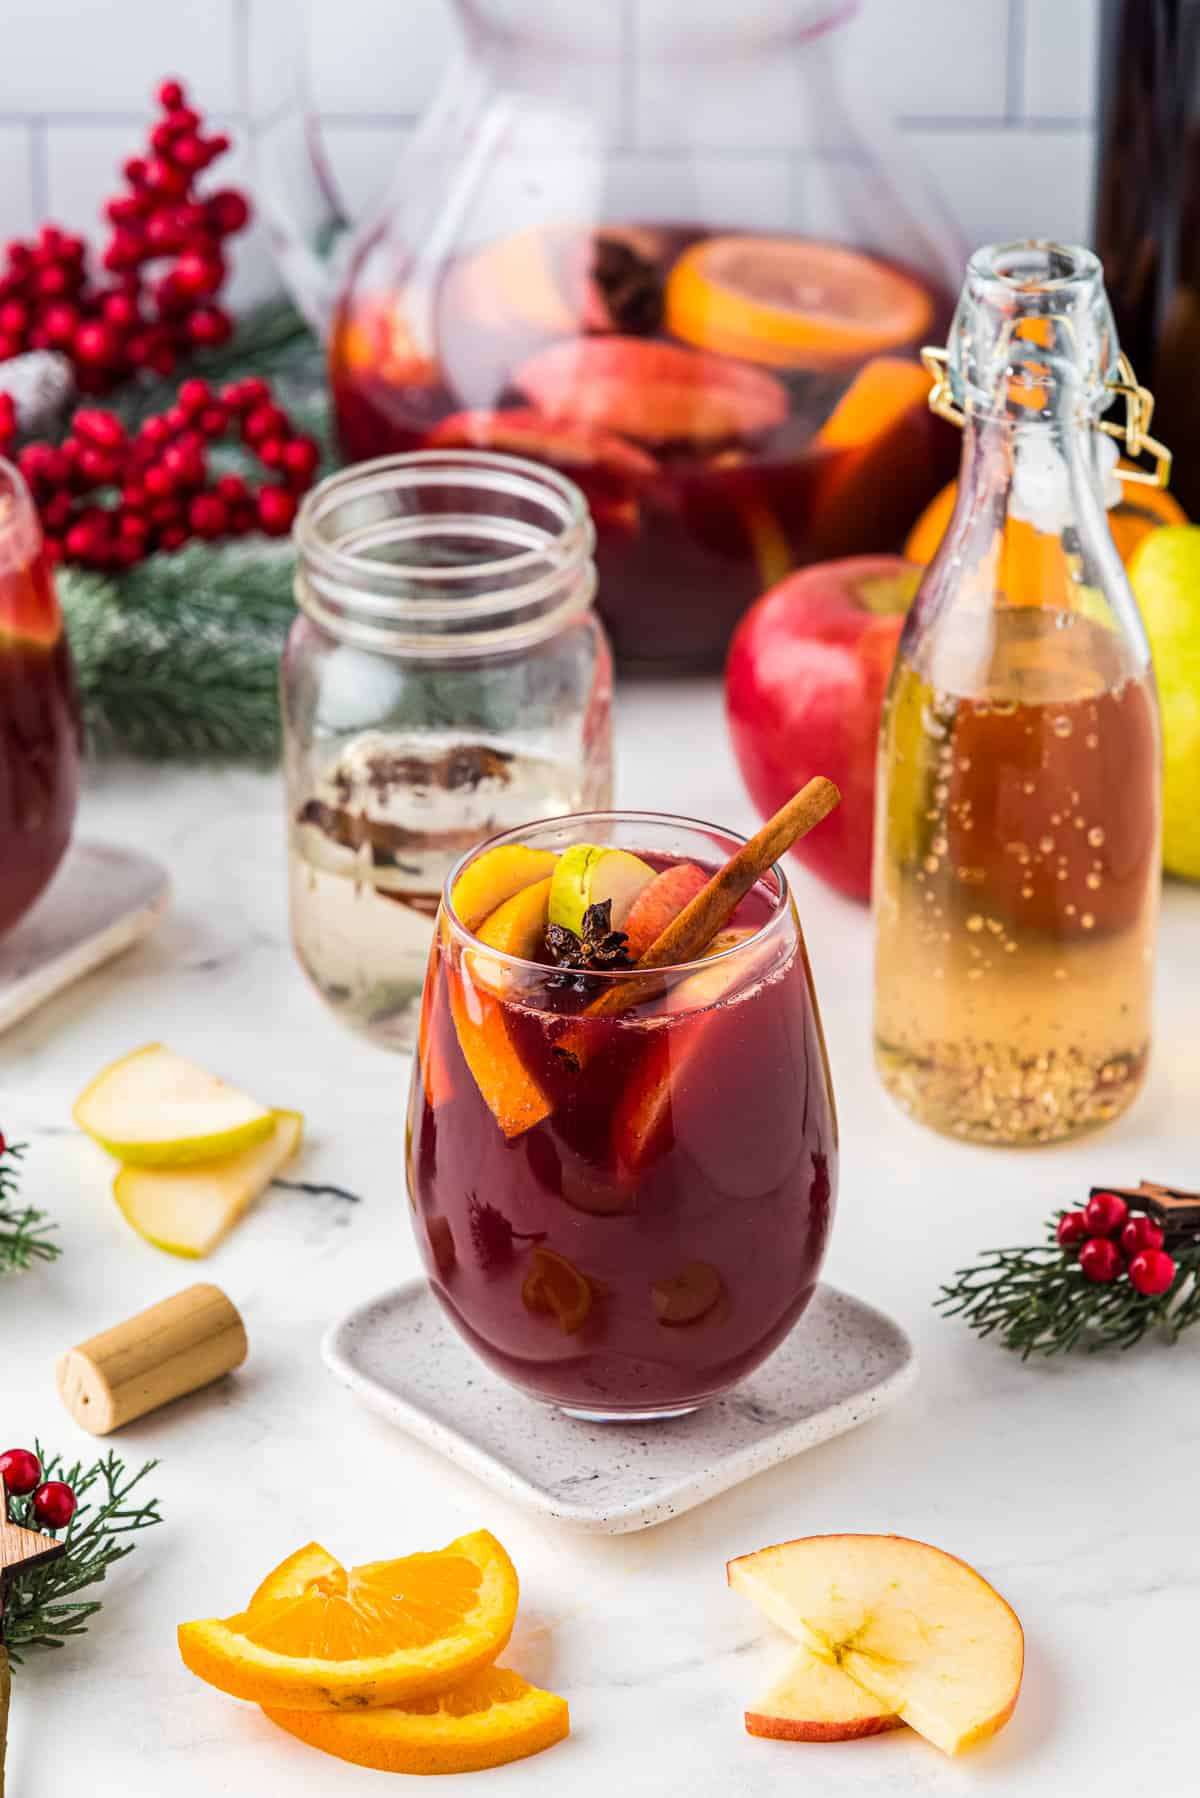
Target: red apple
{"type": "Point", "coordinates": [804, 687]}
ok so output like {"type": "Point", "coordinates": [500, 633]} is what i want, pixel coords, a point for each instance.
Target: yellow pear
{"type": "Point", "coordinates": [154, 1109]}
{"type": "Point", "coordinates": [188, 1210]}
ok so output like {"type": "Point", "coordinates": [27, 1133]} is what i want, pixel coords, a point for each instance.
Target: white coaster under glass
{"type": "Point", "coordinates": [842, 1363]}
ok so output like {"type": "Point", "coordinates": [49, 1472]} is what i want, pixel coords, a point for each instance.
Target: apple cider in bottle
{"type": "Point", "coordinates": [1017, 847]}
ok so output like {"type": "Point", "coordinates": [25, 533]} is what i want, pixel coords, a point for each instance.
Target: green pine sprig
{"type": "Point", "coordinates": [41, 1610]}
{"type": "Point", "coordinates": [25, 1232]}
{"type": "Point", "coordinates": [1037, 1301]}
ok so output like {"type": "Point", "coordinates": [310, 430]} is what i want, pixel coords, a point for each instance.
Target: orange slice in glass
{"type": "Point", "coordinates": [789, 303]}
{"type": "Point", "coordinates": [555, 1285]}
{"type": "Point", "coordinates": [490, 1719]}
{"type": "Point", "coordinates": [317, 1636]}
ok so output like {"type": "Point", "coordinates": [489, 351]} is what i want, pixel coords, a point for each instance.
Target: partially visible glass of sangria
{"type": "Point", "coordinates": [40, 733]}
{"type": "Point", "coordinates": [622, 1183]}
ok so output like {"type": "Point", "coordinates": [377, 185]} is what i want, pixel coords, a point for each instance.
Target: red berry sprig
{"type": "Point", "coordinates": [154, 296]}
{"type": "Point", "coordinates": [161, 489]}
{"type": "Point", "coordinates": [1102, 1280]}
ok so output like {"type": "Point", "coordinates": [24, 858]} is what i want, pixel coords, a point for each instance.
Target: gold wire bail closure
{"type": "Point", "coordinates": [1133, 434]}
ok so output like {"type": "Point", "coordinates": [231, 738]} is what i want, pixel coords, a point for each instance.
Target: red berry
{"type": "Point", "coordinates": [8, 417]}
{"type": "Point", "coordinates": [191, 152]}
{"type": "Point", "coordinates": [14, 318]}
{"type": "Point", "coordinates": [154, 431]}
{"type": "Point", "coordinates": [246, 394]}
{"type": "Point", "coordinates": [99, 427]}
{"type": "Point", "coordinates": [1140, 1233]}
{"type": "Point", "coordinates": [218, 144]}
{"type": "Point", "coordinates": [197, 274]}
{"type": "Point", "coordinates": [1152, 1272]}
{"type": "Point", "coordinates": [50, 282]}
{"type": "Point", "coordinates": [56, 512]}
{"type": "Point", "coordinates": [300, 459]}
{"type": "Point", "coordinates": [172, 536]}
{"type": "Point", "coordinates": [208, 327]}
{"type": "Point", "coordinates": [1100, 1260]}
{"type": "Point", "coordinates": [162, 232]}
{"type": "Point", "coordinates": [233, 491]}
{"type": "Point", "coordinates": [120, 309]}
{"type": "Point", "coordinates": [54, 1504]}
{"type": "Point", "coordinates": [228, 211]}
{"type": "Point", "coordinates": [1072, 1228]}
{"type": "Point", "coordinates": [84, 542]}
{"type": "Point", "coordinates": [166, 178]}
{"type": "Point", "coordinates": [265, 422]}
{"type": "Point", "coordinates": [276, 510]}
{"type": "Point", "coordinates": [270, 453]}
{"type": "Point", "coordinates": [214, 421]}
{"type": "Point", "coordinates": [126, 250]}
{"type": "Point", "coordinates": [96, 343]}
{"type": "Point", "coordinates": [125, 209]}
{"type": "Point", "coordinates": [208, 515]}
{"type": "Point", "coordinates": [158, 481]}
{"type": "Point", "coordinates": [59, 324]}
{"type": "Point", "coordinates": [134, 526]}
{"type": "Point", "coordinates": [194, 395]}
{"type": "Point", "coordinates": [3, 1142]}
{"type": "Point", "coordinates": [20, 1469]}
{"type": "Point", "coordinates": [9, 346]}
{"type": "Point", "coordinates": [170, 94]}
{"type": "Point", "coordinates": [1105, 1213]}
{"type": "Point", "coordinates": [183, 118]}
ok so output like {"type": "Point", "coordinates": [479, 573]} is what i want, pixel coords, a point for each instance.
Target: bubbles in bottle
{"type": "Point", "coordinates": [1096, 836]}
{"type": "Point", "coordinates": [1061, 725]}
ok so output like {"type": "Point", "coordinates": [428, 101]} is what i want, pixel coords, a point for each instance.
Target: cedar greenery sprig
{"type": "Point", "coordinates": [25, 1232]}
{"type": "Point", "coordinates": [1038, 1301]}
{"type": "Point", "coordinates": [41, 1610]}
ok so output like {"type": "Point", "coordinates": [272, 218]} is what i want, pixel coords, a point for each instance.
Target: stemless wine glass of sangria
{"type": "Point", "coordinates": [622, 1183]}
{"type": "Point", "coordinates": [40, 731]}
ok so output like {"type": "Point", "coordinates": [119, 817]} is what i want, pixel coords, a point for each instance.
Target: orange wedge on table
{"type": "Point", "coordinates": [318, 1636]}
{"type": "Point", "coordinates": [787, 303]}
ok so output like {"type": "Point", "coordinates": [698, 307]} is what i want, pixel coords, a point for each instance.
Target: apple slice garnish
{"type": "Point", "coordinates": [919, 1631]}
{"type": "Point", "coordinates": [517, 927]}
{"type": "Point", "coordinates": [643, 1111]}
{"type": "Point", "coordinates": [587, 875]}
{"type": "Point", "coordinates": [814, 1701]}
{"type": "Point", "coordinates": [658, 902]}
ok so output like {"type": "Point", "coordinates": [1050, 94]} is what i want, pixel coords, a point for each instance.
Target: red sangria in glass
{"type": "Point", "coordinates": [39, 710]}
{"type": "Point", "coordinates": [622, 1187]}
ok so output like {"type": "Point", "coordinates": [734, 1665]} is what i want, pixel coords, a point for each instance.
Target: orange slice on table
{"type": "Point", "coordinates": [317, 1636]}
{"type": "Point", "coordinates": [490, 1719]}
{"type": "Point", "coordinates": [789, 303]}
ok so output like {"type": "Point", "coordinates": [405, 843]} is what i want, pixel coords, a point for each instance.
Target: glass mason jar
{"type": "Point", "coordinates": [40, 729]}
{"type": "Point", "coordinates": [623, 1214]}
{"type": "Point", "coordinates": [1017, 848]}
{"type": "Point", "coordinates": [718, 343]}
{"type": "Point", "coordinates": [446, 676]}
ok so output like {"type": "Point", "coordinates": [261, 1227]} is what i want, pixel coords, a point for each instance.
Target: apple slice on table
{"type": "Point", "coordinates": [154, 1109]}
{"type": "Point", "coordinates": [517, 927]}
{"type": "Point", "coordinates": [188, 1210]}
{"type": "Point", "coordinates": [919, 1631]}
{"type": "Point", "coordinates": [588, 875]}
{"type": "Point", "coordinates": [644, 1108]}
{"type": "Point", "coordinates": [814, 1701]}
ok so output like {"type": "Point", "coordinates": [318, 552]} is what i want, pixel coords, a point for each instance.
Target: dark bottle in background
{"type": "Point", "coordinates": [1147, 210]}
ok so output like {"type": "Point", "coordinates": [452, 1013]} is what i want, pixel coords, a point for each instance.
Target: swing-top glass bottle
{"type": "Point", "coordinates": [1018, 825]}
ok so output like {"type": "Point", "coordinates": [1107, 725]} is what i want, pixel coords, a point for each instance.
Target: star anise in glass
{"type": "Point", "coordinates": [597, 947]}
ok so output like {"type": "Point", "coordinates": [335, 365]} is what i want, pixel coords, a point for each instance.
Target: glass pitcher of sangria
{"type": "Point", "coordinates": [40, 735]}
{"type": "Point", "coordinates": [718, 344]}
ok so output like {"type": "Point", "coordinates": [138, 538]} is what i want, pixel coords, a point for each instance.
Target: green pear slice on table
{"type": "Point", "coordinates": [154, 1109]}
{"type": "Point", "coordinates": [188, 1210]}
{"type": "Point", "coordinates": [587, 875]}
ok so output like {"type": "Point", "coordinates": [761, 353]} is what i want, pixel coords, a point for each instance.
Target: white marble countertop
{"type": "Point", "coordinates": [1071, 1485]}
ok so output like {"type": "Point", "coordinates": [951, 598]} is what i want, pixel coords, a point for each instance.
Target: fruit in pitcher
{"type": "Point", "coordinates": [659, 901]}
{"type": "Point", "coordinates": [154, 1109]}
{"type": "Point", "coordinates": [656, 393]}
{"type": "Point", "coordinates": [814, 1701]}
{"type": "Point", "coordinates": [556, 1286]}
{"type": "Point", "coordinates": [790, 303]}
{"type": "Point", "coordinates": [804, 686]}
{"type": "Point", "coordinates": [693, 1293]}
{"type": "Point", "coordinates": [922, 1634]}
{"type": "Point", "coordinates": [495, 876]}
{"type": "Point", "coordinates": [584, 452]}
{"type": "Point", "coordinates": [880, 445]}
{"type": "Point", "coordinates": [587, 875]}
{"type": "Point", "coordinates": [188, 1210]}
{"type": "Point", "coordinates": [317, 1636]}
{"type": "Point", "coordinates": [1165, 576]}
{"type": "Point", "coordinates": [488, 1720]}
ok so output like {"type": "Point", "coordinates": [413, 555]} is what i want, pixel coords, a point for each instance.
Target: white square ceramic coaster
{"type": "Point", "coordinates": [842, 1363]}
{"type": "Point", "coordinates": [101, 901]}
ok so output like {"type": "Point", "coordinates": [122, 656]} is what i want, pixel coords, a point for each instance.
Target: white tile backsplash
{"type": "Point", "coordinates": [995, 97]}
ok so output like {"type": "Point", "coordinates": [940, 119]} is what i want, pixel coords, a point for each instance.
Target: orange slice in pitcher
{"type": "Point", "coordinates": [789, 303]}
{"type": "Point", "coordinates": [317, 1636]}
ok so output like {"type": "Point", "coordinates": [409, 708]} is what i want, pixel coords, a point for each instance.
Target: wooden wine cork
{"type": "Point", "coordinates": [173, 1348]}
